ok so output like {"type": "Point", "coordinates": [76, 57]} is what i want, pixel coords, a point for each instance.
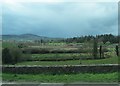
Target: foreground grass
{"type": "Point", "coordinates": [66, 78]}
{"type": "Point", "coordinates": [112, 60]}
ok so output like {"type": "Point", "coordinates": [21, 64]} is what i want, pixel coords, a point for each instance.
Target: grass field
{"type": "Point", "coordinates": [57, 56]}
{"type": "Point", "coordinates": [112, 60]}
{"type": "Point", "coordinates": [66, 78]}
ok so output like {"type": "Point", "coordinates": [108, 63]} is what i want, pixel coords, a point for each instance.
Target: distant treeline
{"type": "Point", "coordinates": [101, 38]}
{"type": "Point", "coordinates": [80, 39]}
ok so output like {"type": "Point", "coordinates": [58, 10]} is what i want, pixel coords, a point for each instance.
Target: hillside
{"type": "Point", "coordinates": [25, 37]}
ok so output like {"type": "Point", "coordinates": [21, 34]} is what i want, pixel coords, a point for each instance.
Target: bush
{"type": "Point", "coordinates": [16, 55]}
{"type": "Point", "coordinates": [6, 56]}
{"type": "Point", "coordinates": [26, 57]}
{"type": "Point", "coordinates": [13, 55]}
{"type": "Point", "coordinates": [50, 50]}
{"type": "Point", "coordinates": [35, 51]}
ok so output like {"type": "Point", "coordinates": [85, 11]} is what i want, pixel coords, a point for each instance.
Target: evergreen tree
{"type": "Point", "coordinates": [117, 50]}
{"type": "Point", "coordinates": [100, 50]}
{"type": "Point", "coordinates": [95, 49]}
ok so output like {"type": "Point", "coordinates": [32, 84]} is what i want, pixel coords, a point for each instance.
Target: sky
{"type": "Point", "coordinates": [60, 19]}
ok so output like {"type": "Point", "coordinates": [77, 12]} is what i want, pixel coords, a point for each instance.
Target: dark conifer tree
{"type": "Point", "coordinates": [95, 48]}
{"type": "Point", "coordinates": [117, 50]}
{"type": "Point", "coordinates": [100, 50]}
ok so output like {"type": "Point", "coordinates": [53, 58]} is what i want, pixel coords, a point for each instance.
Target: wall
{"type": "Point", "coordinates": [60, 69]}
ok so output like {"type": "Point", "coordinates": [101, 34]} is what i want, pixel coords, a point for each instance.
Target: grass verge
{"type": "Point", "coordinates": [62, 78]}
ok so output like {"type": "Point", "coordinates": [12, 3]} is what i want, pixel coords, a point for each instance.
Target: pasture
{"type": "Point", "coordinates": [60, 54]}
{"type": "Point", "coordinates": [112, 60]}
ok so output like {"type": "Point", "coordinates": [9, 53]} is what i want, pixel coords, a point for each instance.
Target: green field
{"type": "Point", "coordinates": [76, 51]}
{"type": "Point", "coordinates": [62, 57]}
{"type": "Point", "coordinates": [65, 58]}
{"type": "Point", "coordinates": [112, 60]}
{"type": "Point", "coordinates": [66, 78]}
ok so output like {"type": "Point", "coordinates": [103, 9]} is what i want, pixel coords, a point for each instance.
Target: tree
{"type": "Point", "coordinates": [20, 46]}
{"type": "Point", "coordinates": [11, 56]}
{"type": "Point", "coordinates": [6, 56]}
{"type": "Point", "coordinates": [95, 48]}
{"type": "Point", "coordinates": [100, 50]}
{"type": "Point", "coordinates": [117, 50]}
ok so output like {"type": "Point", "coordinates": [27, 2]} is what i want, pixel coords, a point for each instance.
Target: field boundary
{"type": "Point", "coordinates": [62, 84]}
{"type": "Point", "coordinates": [60, 69]}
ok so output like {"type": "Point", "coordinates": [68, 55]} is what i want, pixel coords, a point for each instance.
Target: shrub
{"type": "Point", "coordinates": [26, 57]}
{"type": "Point", "coordinates": [16, 55]}
{"type": "Point", "coordinates": [13, 55]}
{"type": "Point", "coordinates": [35, 51]}
{"type": "Point", "coordinates": [6, 56]}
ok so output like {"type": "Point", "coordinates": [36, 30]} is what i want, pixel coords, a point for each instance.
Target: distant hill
{"type": "Point", "coordinates": [25, 37]}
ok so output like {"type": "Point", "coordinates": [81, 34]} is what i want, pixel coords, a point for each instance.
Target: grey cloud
{"type": "Point", "coordinates": [61, 19]}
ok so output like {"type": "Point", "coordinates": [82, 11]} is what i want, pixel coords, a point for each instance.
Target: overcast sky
{"type": "Point", "coordinates": [63, 19]}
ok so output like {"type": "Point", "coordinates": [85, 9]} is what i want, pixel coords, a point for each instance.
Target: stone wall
{"type": "Point", "coordinates": [60, 69]}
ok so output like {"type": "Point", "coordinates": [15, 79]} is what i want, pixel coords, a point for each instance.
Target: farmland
{"type": "Point", "coordinates": [60, 53]}
{"type": "Point", "coordinates": [113, 60]}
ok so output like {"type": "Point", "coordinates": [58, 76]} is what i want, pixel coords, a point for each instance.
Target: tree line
{"type": "Point", "coordinates": [101, 38]}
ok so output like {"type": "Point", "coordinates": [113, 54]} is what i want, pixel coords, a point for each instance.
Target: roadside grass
{"type": "Point", "coordinates": [112, 60]}
{"type": "Point", "coordinates": [62, 78]}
